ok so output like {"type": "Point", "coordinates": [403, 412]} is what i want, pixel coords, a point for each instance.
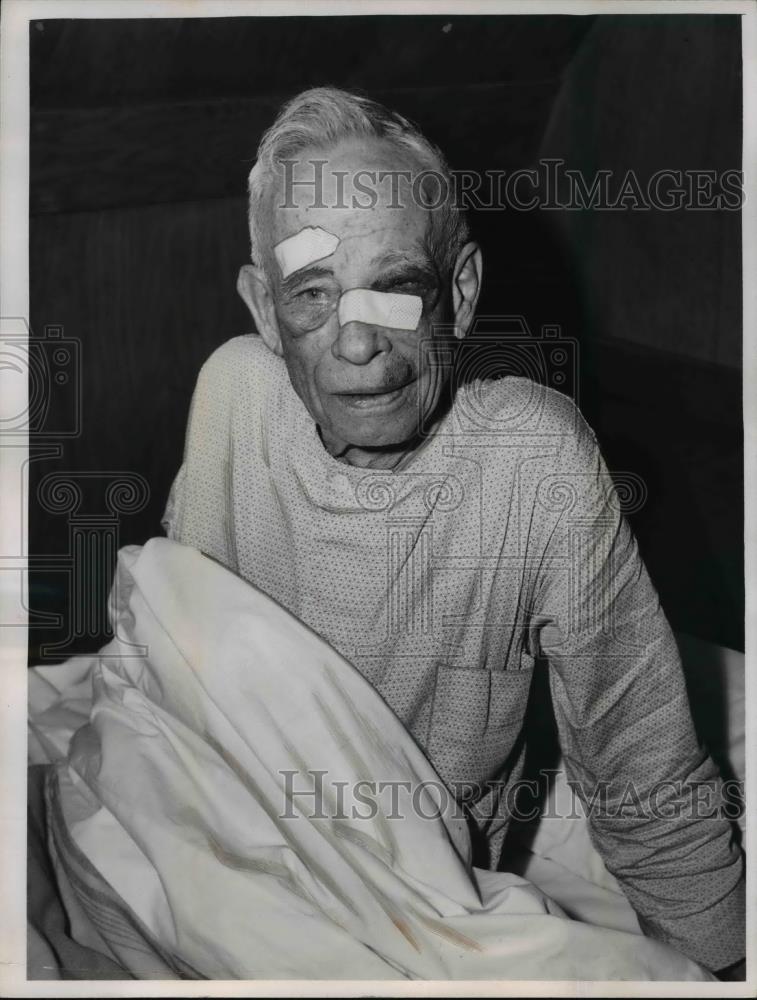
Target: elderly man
{"type": "Point", "coordinates": [443, 533]}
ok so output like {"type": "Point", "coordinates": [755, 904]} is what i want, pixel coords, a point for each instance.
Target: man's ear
{"type": "Point", "coordinates": [466, 285]}
{"type": "Point", "coordinates": [253, 287]}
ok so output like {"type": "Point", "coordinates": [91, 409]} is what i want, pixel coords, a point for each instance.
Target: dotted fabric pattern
{"type": "Point", "coordinates": [500, 539]}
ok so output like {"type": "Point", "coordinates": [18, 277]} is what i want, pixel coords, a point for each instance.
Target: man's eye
{"type": "Point", "coordinates": [408, 287]}
{"type": "Point", "coordinates": [312, 294]}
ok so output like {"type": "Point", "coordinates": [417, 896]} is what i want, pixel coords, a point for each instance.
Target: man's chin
{"type": "Point", "coordinates": [369, 433]}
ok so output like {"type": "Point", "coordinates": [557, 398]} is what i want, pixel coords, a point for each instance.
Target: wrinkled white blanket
{"type": "Point", "coordinates": [187, 837]}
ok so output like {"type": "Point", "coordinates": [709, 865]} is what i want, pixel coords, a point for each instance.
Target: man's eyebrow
{"type": "Point", "coordinates": [299, 277]}
{"type": "Point", "coordinates": [414, 258]}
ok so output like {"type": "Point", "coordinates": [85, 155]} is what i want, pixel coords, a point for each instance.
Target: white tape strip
{"type": "Point", "coordinates": [398, 312]}
{"type": "Point", "coordinates": [309, 245]}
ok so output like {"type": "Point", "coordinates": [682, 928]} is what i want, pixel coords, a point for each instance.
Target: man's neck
{"type": "Point", "coordinates": [370, 458]}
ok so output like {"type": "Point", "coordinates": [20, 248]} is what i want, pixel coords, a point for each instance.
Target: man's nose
{"type": "Point", "coordinates": [359, 343]}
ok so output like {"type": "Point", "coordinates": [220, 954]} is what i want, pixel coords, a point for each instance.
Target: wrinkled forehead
{"type": "Point", "coordinates": [362, 198]}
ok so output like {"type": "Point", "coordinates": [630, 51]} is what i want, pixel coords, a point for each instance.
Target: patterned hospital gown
{"type": "Point", "coordinates": [501, 539]}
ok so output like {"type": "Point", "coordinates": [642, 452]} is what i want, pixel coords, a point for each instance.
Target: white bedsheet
{"type": "Point", "coordinates": [173, 793]}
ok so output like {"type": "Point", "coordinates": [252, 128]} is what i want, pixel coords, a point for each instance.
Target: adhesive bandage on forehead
{"type": "Point", "coordinates": [304, 248]}
{"type": "Point", "coordinates": [398, 312]}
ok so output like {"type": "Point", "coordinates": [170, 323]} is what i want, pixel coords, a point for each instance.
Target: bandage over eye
{"type": "Point", "coordinates": [398, 312]}
{"type": "Point", "coordinates": [304, 248]}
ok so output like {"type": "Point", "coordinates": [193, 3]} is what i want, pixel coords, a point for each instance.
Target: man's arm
{"type": "Point", "coordinates": [197, 511]}
{"type": "Point", "coordinates": [625, 725]}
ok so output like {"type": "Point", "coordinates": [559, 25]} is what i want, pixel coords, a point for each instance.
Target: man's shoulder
{"type": "Point", "coordinates": [240, 368]}
{"type": "Point", "coordinates": [243, 356]}
{"type": "Point", "coordinates": [518, 408]}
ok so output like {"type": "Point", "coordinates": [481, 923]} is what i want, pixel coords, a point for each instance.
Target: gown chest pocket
{"type": "Point", "coordinates": [476, 718]}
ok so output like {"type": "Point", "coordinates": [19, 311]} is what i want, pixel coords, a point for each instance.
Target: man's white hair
{"type": "Point", "coordinates": [321, 118]}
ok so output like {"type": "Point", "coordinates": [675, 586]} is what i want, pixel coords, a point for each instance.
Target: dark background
{"type": "Point", "coordinates": [143, 132]}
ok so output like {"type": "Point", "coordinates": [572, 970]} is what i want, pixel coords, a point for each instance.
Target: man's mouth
{"type": "Point", "coordinates": [371, 399]}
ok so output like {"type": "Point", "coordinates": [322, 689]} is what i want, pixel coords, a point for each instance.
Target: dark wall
{"type": "Point", "coordinates": [658, 296]}
{"type": "Point", "coordinates": [665, 95]}
{"type": "Point", "coordinates": [141, 138]}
